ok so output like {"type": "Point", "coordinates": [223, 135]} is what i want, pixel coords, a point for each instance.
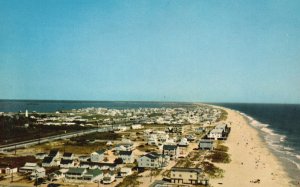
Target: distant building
{"type": "Point", "coordinates": [28, 167]}
{"type": "Point", "coordinates": [126, 156]}
{"type": "Point", "coordinates": [97, 156]}
{"type": "Point", "coordinates": [38, 173]}
{"type": "Point", "coordinates": [171, 151]}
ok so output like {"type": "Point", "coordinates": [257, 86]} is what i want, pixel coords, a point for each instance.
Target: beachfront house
{"type": "Point", "coordinates": [186, 175]}
{"type": "Point", "coordinates": [153, 160]}
{"type": "Point", "coordinates": [206, 144]}
{"type": "Point", "coordinates": [216, 134]}
{"type": "Point", "coordinates": [126, 156]}
{"type": "Point", "coordinates": [171, 151]}
{"type": "Point", "coordinates": [222, 126]}
{"type": "Point", "coordinates": [97, 156]}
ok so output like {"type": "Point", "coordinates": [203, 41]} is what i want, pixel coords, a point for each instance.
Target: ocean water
{"type": "Point", "coordinates": [279, 126]}
{"type": "Point", "coordinates": [56, 105]}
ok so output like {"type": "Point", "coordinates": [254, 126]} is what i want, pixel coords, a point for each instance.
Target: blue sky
{"type": "Point", "coordinates": [207, 51]}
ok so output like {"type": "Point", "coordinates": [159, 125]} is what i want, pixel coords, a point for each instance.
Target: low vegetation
{"type": "Point", "coordinates": [130, 181]}
{"type": "Point", "coordinates": [223, 116]}
{"type": "Point", "coordinates": [146, 148]}
{"type": "Point", "coordinates": [219, 155]}
{"type": "Point", "coordinates": [211, 170]}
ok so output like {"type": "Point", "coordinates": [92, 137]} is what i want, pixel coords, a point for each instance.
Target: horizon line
{"type": "Point", "coordinates": [195, 102]}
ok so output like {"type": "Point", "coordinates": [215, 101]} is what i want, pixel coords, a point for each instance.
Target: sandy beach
{"type": "Point", "coordinates": [252, 163]}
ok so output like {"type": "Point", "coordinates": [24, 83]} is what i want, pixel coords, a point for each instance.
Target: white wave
{"type": "Point", "coordinates": [268, 131]}
{"type": "Point", "coordinates": [294, 162]}
{"type": "Point", "coordinates": [288, 148]}
{"type": "Point", "coordinates": [298, 156]}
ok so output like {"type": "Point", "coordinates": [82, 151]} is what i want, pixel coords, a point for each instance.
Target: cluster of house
{"type": "Point", "coordinates": [171, 116]}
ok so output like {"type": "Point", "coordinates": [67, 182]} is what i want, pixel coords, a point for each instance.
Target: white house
{"type": "Point", "coordinates": [126, 156]}
{"type": "Point", "coordinates": [109, 178]}
{"type": "Point", "coordinates": [153, 160]}
{"type": "Point", "coordinates": [28, 167]}
{"type": "Point", "coordinates": [40, 156]}
{"type": "Point", "coordinates": [97, 156]}
{"type": "Point", "coordinates": [125, 171]}
{"type": "Point", "coordinates": [137, 126]}
{"type": "Point", "coordinates": [8, 169]}
{"type": "Point", "coordinates": [171, 151]}
{"type": "Point", "coordinates": [216, 134]}
{"type": "Point", "coordinates": [38, 173]}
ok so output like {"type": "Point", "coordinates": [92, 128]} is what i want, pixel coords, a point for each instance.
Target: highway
{"type": "Point", "coordinates": [32, 142]}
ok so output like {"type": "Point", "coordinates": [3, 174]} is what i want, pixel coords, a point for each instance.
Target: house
{"type": "Point", "coordinates": [38, 173]}
{"type": "Point", "coordinates": [93, 175]}
{"type": "Point", "coordinates": [49, 161]}
{"type": "Point", "coordinates": [136, 126]}
{"type": "Point", "coordinates": [126, 156]}
{"type": "Point", "coordinates": [75, 174]}
{"type": "Point", "coordinates": [186, 175]}
{"type": "Point", "coordinates": [28, 167]}
{"type": "Point", "coordinates": [40, 156]}
{"type": "Point", "coordinates": [182, 150]}
{"type": "Point", "coordinates": [152, 140]}
{"type": "Point", "coordinates": [68, 156]}
{"type": "Point", "coordinates": [8, 169]}
{"type": "Point", "coordinates": [222, 126]}
{"type": "Point", "coordinates": [54, 153]}
{"type": "Point", "coordinates": [153, 160]}
{"type": "Point", "coordinates": [102, 166]}
{"type": "Point", "coordinates": [216, 134]}
{"type": "Point", "coordinates": [97, 156]}
{"type": "Point", "coordinates": [109, 178]}
{"type": "Point", "coordinates": [84, 158]}
{"type": "Point", "coordinates": [206, 144]}
{"type": "Point", "coordinates": [171, 151]}
{"type": "Point", "coordinates": [125, 172]}
{"type": "Point", "coordinates": [57, 175]}
{"type": "Point", "coordinates": [66, 163]}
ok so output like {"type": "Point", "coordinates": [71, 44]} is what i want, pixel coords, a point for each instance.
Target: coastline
{"type": "Point", "coordinates": [251, 158]}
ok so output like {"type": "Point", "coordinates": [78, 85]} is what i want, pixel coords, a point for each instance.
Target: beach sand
{"type": "Point", "coordinates": [251, 160]}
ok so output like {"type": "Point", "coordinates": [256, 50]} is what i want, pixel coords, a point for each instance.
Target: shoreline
{"type": "Point", "coordinates": [251, 158]}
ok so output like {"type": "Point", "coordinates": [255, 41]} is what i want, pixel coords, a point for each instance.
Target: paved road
{"type": "Point", "coordinates": [28, 143]}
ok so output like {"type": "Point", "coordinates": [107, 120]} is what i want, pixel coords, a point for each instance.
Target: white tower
{"type": "Point", "coordinates": [26, 113]}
